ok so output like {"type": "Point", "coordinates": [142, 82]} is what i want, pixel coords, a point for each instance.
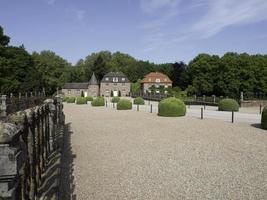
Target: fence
{"type": "Point", "coordinates": [26, 141]}
{"type": "Point", "coordinates": [11, 104]}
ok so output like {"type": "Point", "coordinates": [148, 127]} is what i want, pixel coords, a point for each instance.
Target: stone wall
{"type": "Point", "coordinates": [93, 90]}
{"type": "Point", "coordinates": [106, 88]}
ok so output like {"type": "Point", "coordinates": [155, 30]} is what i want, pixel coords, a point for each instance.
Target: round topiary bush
{"type": "Point", "coordinates": [115, 99]}
{"type": "Point", "coordinates": [228, 105]}
{"type": "Point", "coordinates": [264, 118]}
{"type": "Point", "coordinates": [89, 98]}
{"type": "Point", "coordinates": [139, 101]}
{"type": "Point", "coordinates": [81, 100]}
{"type": "Point", "coordinates": [98, 101]}
{"type": "Point", "coordinates": [124, 104]}
{"type": "Point", "coordinates": [71, 99]}
{"type": "Point", "coordinates": [171, 107]}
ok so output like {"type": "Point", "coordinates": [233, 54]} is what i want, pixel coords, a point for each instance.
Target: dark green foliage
{"type": "Point", "coordinates": [119, 93]}
{"type": "Point", "coordinates": [264, 118]}
{"type": "Point", "coordinates": [111, 93]}
{"type": "Point", "coordinates": [82, 94]}
{"type": "Point", "coordinates": [171, 107]}
{"type": "Point", "coordinates": [89, 98]}
{"type": "Point", "coordinates": [81, 100]}
{"type": "Point", "coordinates": [71, 99]}
{"type": "Point", "coordinates": [115, 99]}
{"type": "Point", "coordinates": [98, 101]}
{"type": "Point", "coordinates": [139, 101]}
{"type": "Point", "coordinates": [124, 104]}
{"type": "Point", "coordinates": [135, 87]}
{"type": "Point", "coordinates": [4, 40]}
{"type": "Point", "coordinates": [228, 105]}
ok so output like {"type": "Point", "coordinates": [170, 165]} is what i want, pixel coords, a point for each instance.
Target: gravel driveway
{"type": "Point", "coordinates": [138, 155]}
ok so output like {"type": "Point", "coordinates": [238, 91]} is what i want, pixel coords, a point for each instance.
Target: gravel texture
{"type": "Point", "coordinates": [138, 155]}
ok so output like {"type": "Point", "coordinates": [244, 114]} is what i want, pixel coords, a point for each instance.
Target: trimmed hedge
{"type": "Point", "coordinates": [65, 99]}
{"type": "Point", "coordinates": [89, 98]}
{"type": "Point", "coordinates": [115, 99]}
{"type": "Point", "coordinates": [124, 104]}
{"type": "Point", "coordinates": [228, 105]}
{"type": "Point", "coordinates": [81, 100]}
{"type": "Point", "coordinates": [264, 118]}
{"type": "Point", "coordinates": [98, 101]}
{"type": "Point", "coordinates": [139, 101]}
{"type": "Point", "coordinates": [171, 107]}
{"type": "Point", "coordinates": [71, 99]}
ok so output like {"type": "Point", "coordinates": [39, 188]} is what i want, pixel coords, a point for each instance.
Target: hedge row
{"type": "Point", "coordinates": [171, 107]}
{"type": "Point", "coordinates": [124, 104]}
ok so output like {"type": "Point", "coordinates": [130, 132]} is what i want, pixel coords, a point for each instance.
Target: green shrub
{"type": "Point", "coordinates": [228, 105]}
{"type": "Point", "coordinates": [171, 107]}
{"type": "Point", "coordinates": [65, 99]}
{"type": "Point", "coordinates": [115, 99]}
{"type": "Point", "coordinates": [264, 118]}
{"type": "Point", "coordinates": [98, 101]}
{"type": "Point", "coordinates": [89, 98]}
{"type": "Point", "coordinates": [81, 100]}
{"type": "Point", "coordinates": [139, 101]}
{"type": "Point", "coordinates": [71, 99]}
{"type": "Point", "coordinates": [124, 104]}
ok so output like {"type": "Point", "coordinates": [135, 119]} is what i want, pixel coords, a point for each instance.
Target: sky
{"type": "Point", "coordinates": [160, 31]}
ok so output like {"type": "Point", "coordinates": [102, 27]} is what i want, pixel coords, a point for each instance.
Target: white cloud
{"type": "Point", "coordinates": [78, 14]}
{"type": "Point", "coordinates": [225, 13]}
{"type": "Point", "coordinates": [150, 6]}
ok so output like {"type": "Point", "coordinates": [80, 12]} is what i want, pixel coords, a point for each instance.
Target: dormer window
{"type": "Point", "coordinates": [115, 79]}
{"type": "Point", "coordinates": [157, 80]}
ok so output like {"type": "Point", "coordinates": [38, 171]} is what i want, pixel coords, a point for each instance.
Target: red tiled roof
{"type": "Point", "coordinates": [152, 76]}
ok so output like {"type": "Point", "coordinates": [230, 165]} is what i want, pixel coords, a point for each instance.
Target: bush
{"type": "Point", "coordinates": [139, 101]}
{"type": "Point", "coordinates": [115, 99]}
{"type": "Point", "coordinates": [264, 118]}
{"type": "Point", "coordinates": [81, 100]}
{"type": "Point", "coordinates": [171, 107]}
{"type": "Point", "coordinates": [71, 99]}
{"type": "Point", "coordinates": [228, 105]}
{"type": "Point", "coordinates": [89, 98]}
{"type": "Point", "coordinates": [98, 101]}
{"type": "Point", "coordinates": [124, 104]}
{"type": "Point", "coordinates": [65, 99]}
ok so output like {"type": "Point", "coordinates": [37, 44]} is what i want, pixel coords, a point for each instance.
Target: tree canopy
{"type": "Point", "coordinates": [204, 75]}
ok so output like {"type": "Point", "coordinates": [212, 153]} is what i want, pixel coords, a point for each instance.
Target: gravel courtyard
{"type": "Point", "coordinates": [138, 155]}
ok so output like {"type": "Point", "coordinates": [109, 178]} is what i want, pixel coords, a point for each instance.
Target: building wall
{"type": "Point", "coordinates": [74, 92]}
{"type": "Point", "coordinates": [146, 86]}
{"type": "Point", "coordinates": [93, 90]}
{"type": "Point", "coordinates": [106, 88]}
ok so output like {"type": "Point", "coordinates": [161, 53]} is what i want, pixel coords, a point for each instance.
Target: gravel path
{"type": "Point", "coordinates": [138, 155]}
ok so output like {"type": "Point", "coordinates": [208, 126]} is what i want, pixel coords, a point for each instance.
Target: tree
{"type": "Point", "coordinates": [52, 69]}
{"type": "Point", "coordinates": [119, 93]}
{"type": "Point", "coordinates": [178, 75]}
{"type": "Point", "coordinates": [4, 40]}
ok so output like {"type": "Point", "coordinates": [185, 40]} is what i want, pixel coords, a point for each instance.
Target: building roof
{"type": "Point", "coordinates": [108, 78]}
{"type": "Point", "coordinates": [153, 76]}
{"type": "Point", "coordinates": [93, 80]}
{"type": "Point", "coordinates": [75, 86]}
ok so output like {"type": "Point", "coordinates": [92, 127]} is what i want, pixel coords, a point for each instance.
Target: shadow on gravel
{"type": "Point", "coordinates": [258, 125]}
{"type": "Point", "coordinates": [66, 183]}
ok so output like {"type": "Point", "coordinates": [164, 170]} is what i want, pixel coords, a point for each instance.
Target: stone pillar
{"type": "Point", "coordinates": [12, 158]}
{"type": "Point", "coordinates": [3, 106]}
{"type": "Point", "coordinates": [241, 96]}
{"type": "Point", "coordinates": [214, 98]}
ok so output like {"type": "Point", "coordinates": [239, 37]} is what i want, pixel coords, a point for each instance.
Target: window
{"type": "Point", "coordinates": [77, 91]}
{"type": "Point", "coordinates": [157, 80]}
{"type": "Point", "coordinates": [69, 91]}
{"type": "Point", "coordinates": [107, 91]}
{"type": "Point", "coordinates": [115, 79]}
{"type": "Point", "coordinates": [107, 79]}
{"type": "Point", "coordinates": [123, 79]}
